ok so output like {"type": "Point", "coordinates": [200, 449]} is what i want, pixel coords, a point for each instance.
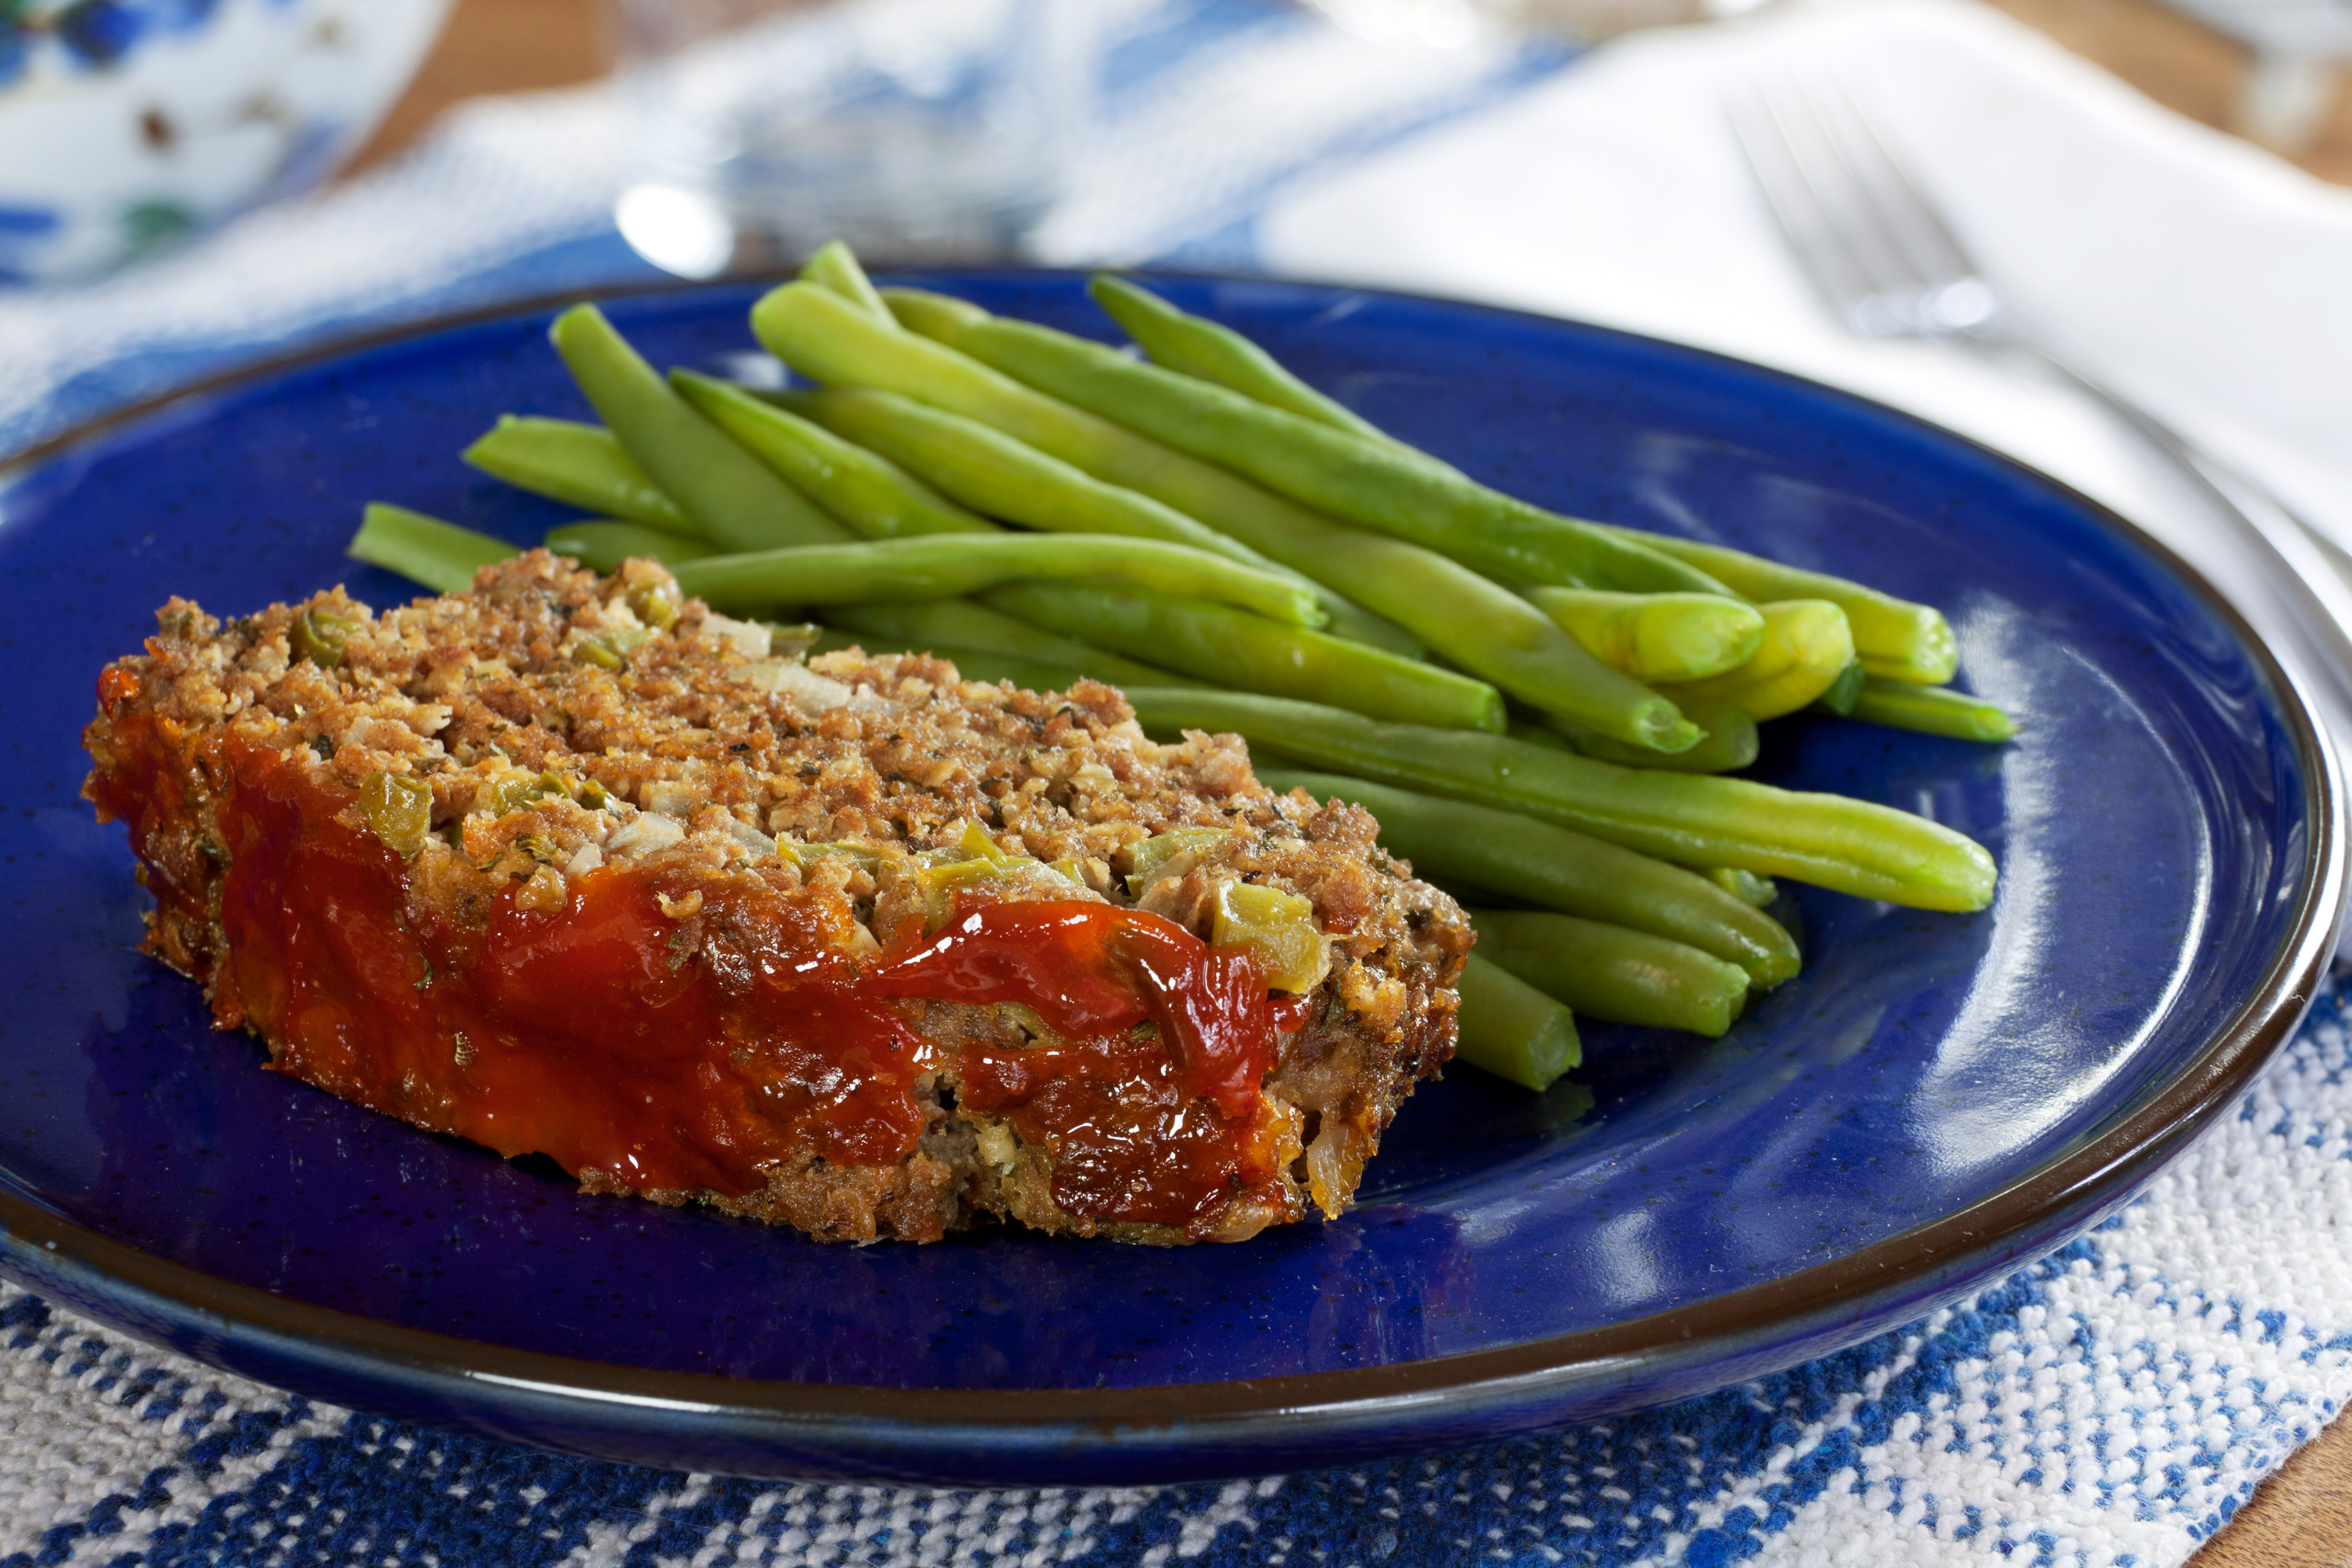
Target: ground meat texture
{"type": "Point", "coordinates": [566, 864]}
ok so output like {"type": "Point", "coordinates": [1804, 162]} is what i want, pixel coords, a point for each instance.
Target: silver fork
{"type": "Point", "coordinates": [1889, 266]}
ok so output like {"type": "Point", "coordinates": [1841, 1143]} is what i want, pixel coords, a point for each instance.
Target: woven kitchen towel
{"type": "Point", "coordinates": [2112, 1404]}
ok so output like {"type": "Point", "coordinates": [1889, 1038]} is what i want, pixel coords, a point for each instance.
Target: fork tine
{"type": "Point", "coordinates": [1873, 245]}
{"type": "Point", "coordinates": [1846, 200]}
{"type": "Point", "coordinates": [1944, 294]}
{"type": "Point", "coordinates": [1821, 249]}
{"type": "Point", "coordinates": [1910, 222]}
{"type": "Point", "coordinates": [1889, 265]}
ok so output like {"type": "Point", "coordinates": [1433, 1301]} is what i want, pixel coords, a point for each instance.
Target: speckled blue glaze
{"type": "Point", "coordinates": [2157, 825]}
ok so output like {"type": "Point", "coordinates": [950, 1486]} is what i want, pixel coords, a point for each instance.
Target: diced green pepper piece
{"type": "Point", "coordinates": [318, 637]}
{"type": "Point", "coordinates": [977, 845]}
{"type": "Point", "coordinates": [398, 809]}
{"type": "Point", "coordinates": [611, 649]}
{"type": "Point", "coordinates": [656, 604]}
{"type": "Point", "coordinates": [514, 791]}
{"type": "Point", "coordinates": [1279, 928]}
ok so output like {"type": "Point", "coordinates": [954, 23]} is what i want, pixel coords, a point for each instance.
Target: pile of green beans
{"type": "Point", "coordinates": [1691, 820]}
{"type": "Point", "coordinates": [1538, 709]}
{"type": "Point", "coordinates": [1559, 868]}
{"type": "Point", "coordinates": [1480, 627]}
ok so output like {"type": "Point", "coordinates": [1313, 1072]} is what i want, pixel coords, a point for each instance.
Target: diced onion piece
{"type": "Point", "coordinates": [748, 638]}
{"type": "Point", "coordinates": [650, 831]}
{"type": "Point", "coordinates": [751, 839]}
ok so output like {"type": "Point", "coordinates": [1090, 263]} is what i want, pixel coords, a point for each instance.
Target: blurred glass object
{"type": "Point", "coordinates": [2301, 52]}
{"type": "Point", "coordinates": [916, 129]}
{"type": "Point", "coordinates": [126, 126]}
{"type": "Point", "coordinates": [1447, 23]}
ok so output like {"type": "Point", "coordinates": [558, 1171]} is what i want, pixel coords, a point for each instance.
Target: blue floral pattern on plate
{"type": "Point", "coordinates": [127, 125]}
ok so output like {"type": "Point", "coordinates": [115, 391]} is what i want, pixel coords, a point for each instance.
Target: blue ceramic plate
{"type": "Point", "coordinates": [1936, 1101]}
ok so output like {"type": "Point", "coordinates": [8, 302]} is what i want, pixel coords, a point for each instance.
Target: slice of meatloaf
{"type": "Point", "coordinates": [566, 864]}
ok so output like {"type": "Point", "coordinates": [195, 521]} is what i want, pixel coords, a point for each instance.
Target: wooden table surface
{"type": "Point", "coordinates": [2302, 1517]}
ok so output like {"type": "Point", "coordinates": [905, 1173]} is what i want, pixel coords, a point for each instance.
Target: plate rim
{"type": "Point", "coordinates": [185, 1308]}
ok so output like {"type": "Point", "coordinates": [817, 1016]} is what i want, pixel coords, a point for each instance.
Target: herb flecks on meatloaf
{"type": "Point", "coordinates": [564, 865]}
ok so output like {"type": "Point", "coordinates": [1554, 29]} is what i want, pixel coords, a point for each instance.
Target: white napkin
{"type": "Point", "coordinates": [2206, 280]}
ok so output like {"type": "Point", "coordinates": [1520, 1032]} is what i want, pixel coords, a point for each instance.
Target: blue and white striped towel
{"type": "Point", "coordinates": [2112, 1404]}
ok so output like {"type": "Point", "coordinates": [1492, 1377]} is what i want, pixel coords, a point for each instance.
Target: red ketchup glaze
{"type": "Point", "coordinates": [1159, 1129]}
{"type": "Point", "coordinates": [1094, 969]}
{"type": "Point", "coordinates": [595, 1035]}
{"type": "Point", "coordinates": [672, 1054]}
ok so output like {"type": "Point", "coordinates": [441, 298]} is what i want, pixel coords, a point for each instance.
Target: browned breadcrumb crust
{"type": "Point", "coordinates": [710, 750]}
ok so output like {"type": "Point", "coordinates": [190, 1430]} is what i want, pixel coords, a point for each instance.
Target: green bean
{"type": "Point", "coordinates": [1656, 636]}
{"type": "Point", "coordinates": [1556, 868]}
{"type": "Point", "coordinates": [976, 463]}
{"type": "Point", "coordinates": [991, 472]}
{"type": "Point", "coordinates": [1730, 741]}
{"type": "Point", "coordinates": [1844, 692]}
{"type": "Point", "coordinates": [1210, 351]}
{"type": "Point", "coordinates": [1374, 483]}
{"type": "Point", "coordinates": [581, 465]}
{"type": "Point", "coordinates": [969, 627]}
{"type": "Point", "coordinates": [1251, 654]}
{"type": "Point", "coordinates": [1932, 711]}
{"type": "Point", "coordinates": [1850, 845]}
{"type": "Point", "coordinates": [952, 565]}
{"type": "Point", "coordinates": [882, 500]}
{"type": "Point", "coordinates": [1807, 646]}
{"type": "Point", "coordinates": [1509, 1028]}
{"type": "Point", "coordinates": [987, 469]}
{"type": "Point", "coordinates": [877, 499]}
{"type": "Point", "coordinates": [1896, 639]}
{"type": "Point", "coordinates": [834, 639]}
{"type": "Point", "coordinates": [1760, 892]}
{"type": "Point", "coordinates": [1607, 971]}
{"type": "Point", "coordinates": [1484, 629]}
{"type": "Point", "coordinates": [601, 546]}
{"type": "Point", "coordinates": [835, 266]}
{"type": "Point", "coordinates": [729, 495]}
{"type": "Point", "coordinates": [441, 555]}
{"type": "Point", "coordinates": [874, 495]}
{"type": "Point", "coordinates": [1028, 675]}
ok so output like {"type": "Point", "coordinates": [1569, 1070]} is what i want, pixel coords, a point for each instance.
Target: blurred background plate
{"type": "Point", "coordinates": [1936, 1100]}
{"type": "Point", "coordinates": [128, 126]}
